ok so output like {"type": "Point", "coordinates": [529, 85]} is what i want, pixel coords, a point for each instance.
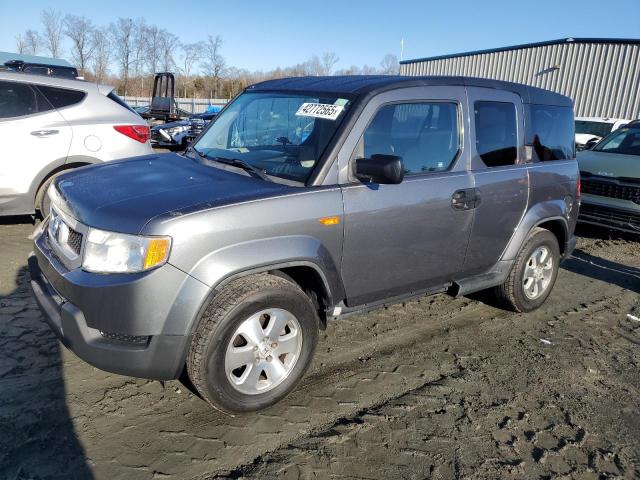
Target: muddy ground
{"type": "Point", "coordinates": [438, 388]}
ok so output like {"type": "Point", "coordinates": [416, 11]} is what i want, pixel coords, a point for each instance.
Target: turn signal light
{"type": "Point", "coordinates": [157, 252]}
{"type": "Point", "coordinates": [328, 221]}
{"type": "Point", "coordinates": [139, 133]}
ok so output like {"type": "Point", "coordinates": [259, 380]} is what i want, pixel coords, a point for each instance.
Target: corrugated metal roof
{"type": "Point", "coordinates": [6, 56]}
{"type": "Point", "coordinates": [602, 77]}
{"type": "Point", "coordinates": [528, 45]}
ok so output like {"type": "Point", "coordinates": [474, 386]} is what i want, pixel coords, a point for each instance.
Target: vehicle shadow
{"type": "Point", "coordinates": [37, 436]}
{"type": "Point", "coordinates": [598, 268]}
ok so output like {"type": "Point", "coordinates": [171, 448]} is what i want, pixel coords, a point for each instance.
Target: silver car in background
{"type": "Point", "coordinates": [50, 125]}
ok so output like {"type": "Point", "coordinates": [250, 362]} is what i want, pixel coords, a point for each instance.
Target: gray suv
{"type": "Point", "coordinates": [306, 199]}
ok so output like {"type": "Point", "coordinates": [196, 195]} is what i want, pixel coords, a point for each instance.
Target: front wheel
{"type": "Point", "coordinates": [533, 274]}
{"type": "Point", "coordinates": [253, 344]}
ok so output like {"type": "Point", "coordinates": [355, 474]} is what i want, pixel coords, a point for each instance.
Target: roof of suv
{"type": "Point", "coordinates": [55, 82]}
{"type": "Point", "coordinates": [372, 84]}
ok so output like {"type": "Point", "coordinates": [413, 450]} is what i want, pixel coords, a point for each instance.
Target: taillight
{"type": "Point", "coordinates": [139, 133]}
{"type": "Point", "coordinates": [578, 188]}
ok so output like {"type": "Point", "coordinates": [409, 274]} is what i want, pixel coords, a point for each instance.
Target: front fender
{"type": "Point", "coordinates": [255, 256]}
{"type": "Point", "coordinates": [551, 210]}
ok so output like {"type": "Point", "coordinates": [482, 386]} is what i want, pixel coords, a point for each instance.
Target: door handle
{"type": "Point", "coordinates": [44, 133]}
{"type": "Point", "coordinates": [465, 199]}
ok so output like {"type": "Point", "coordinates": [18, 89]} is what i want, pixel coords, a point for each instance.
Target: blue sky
{"type": "Point", "coordinates": [260, 35]}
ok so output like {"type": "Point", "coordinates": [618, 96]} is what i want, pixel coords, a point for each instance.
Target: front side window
{"type": "Point", "coordinates": [625, 141]}
{"type": "Point", "coordinates": [284, 135]}
{"type": "Point", "coordinates": [550, 130]}
{"type": "Point", "coordinates": [426, 135]}
{"type": "Point", "coordinates": [19, 100]}
{"type": "Point", "coordinates": [496, 133]}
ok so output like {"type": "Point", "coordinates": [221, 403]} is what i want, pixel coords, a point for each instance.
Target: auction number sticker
{"type": "Point", "coordinates": [320, 110]}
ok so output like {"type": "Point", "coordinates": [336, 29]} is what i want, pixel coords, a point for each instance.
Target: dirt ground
{"type": "Point", "coordinates": [437, 388]}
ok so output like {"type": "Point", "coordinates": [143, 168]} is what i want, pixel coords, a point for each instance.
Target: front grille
{"type": "Point", "coordinates": [611, 189]}
{"type": "Point", "coordinates": [63, 235]}
{"type": "Point", "coordinates": [74, 241]}
{"type": "Point", "coordinates": [122, 338]}
{"type": "Point", "coordinates": [612, 217]}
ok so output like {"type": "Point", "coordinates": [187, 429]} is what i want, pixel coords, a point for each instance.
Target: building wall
{"type": "Point", "coordinates": [603, 79]}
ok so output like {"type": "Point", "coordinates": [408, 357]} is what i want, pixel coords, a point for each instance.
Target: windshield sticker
{"type": "Point", "coordinates": [320, 110]}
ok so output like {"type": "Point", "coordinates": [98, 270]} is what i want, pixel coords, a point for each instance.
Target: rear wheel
{"type": "Point", "coordinates": [533, 274]}
{"type": "Point", "coordinates": [42, 201]}
{"type": "Point", "coordinates": [253, 344]}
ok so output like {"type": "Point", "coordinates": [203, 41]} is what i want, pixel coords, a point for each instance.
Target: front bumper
{"type": "Point", "coordinates": [123, 327]}
{"type": "Point", "coordinates": [610, 217]}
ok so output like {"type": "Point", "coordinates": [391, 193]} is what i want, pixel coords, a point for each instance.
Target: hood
{"type": "Point", "coordinates": [613, 165]}
{"type": "Point", "coordinates": [582, 138]}
{"type": "Point", "coordinates": [122, 196]}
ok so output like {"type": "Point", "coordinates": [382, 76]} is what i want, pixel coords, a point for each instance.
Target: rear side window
{"type": "Point", "coordinates": [62, 97]}
{"type": "Point", "coordinates": [496, 133]}
{"type": "Point", "coordinates": [426, 135]}
{"type": "Point", "coordinates": [551, 132]}
{"type": "Point", "coordinates": [20, 99]}
{"type": "Point", "coordinates": [112, 96]}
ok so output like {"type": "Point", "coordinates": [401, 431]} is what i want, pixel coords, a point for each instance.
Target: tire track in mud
{"type": "Point", "coordinates": [426, 373]}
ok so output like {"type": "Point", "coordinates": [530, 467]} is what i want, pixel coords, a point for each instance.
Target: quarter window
{"type": "Point", "coordinates": [61, 97]}
{"type": "Point", "coordinates": [426, 135]}
{"type": "Point", "coordinates": [550, 130]}
{"type": "Point", "coordinates": [496, 133]}
{"type": "Point", "coordinates": [19, 100]}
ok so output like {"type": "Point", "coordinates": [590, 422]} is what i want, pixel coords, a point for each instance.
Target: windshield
{"type": "Point", "coordinates": [625, 141]}
{"type": "Point", "coordinates": [282, 134]}
{"type": "Point", "coordinates": [599, 129]}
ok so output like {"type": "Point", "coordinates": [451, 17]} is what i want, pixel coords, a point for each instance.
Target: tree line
{"type": "Point", "coordinates": [127, 52]}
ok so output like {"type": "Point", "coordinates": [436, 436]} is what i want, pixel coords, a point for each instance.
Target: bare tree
{"type": "Point", "coordinates": [328, 61]}
{"type": "Point", "coordinates": [80, 32]}
{"type": "Point", "coordinates": [122, 37]}
{"type": "Point", "coordinates": [389, 64]}
{"type": "Point", "coordinates": [191, 53]}
{"type": "Point", "coordinates": [153, 41]}
{"type": "Point", "coordinates": [214, 62]}
{"type": "Point", "coordinates": [168, 44]}
{"type": "Point", "coordinates": [52, 23]}
{"type": "Point", "coordinates": [21, 44]}
{"type": "Point", "coordinates": [101, 53]}
{"type": "Point", "coordinates": [32, 42]}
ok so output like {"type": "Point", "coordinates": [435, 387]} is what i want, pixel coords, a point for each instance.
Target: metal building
{"type": "Point", "coordinates": [602, 76]}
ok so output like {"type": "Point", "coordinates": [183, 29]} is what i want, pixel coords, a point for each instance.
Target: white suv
{"type": "Point", "coordinates": [49, 125]}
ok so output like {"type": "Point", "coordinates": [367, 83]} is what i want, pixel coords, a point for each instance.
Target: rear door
{"type": "Point", "coordinates": [36, 138]}
{"type": "Point", "coordinates": [406, 238]}
{"type": "Point", "coordinates": [501, 179]}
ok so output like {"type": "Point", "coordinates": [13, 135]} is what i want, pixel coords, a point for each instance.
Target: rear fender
{"type": "Point", "coordinates": [552, 210]}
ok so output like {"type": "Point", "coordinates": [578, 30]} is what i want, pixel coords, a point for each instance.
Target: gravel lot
{"type": "Point", "coordinates": [437, 388]}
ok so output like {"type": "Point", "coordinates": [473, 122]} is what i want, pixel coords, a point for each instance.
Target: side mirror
{"type": "Point", "coordinates": [380, 169]}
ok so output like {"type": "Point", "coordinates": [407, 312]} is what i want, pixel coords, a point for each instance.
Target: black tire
{"type": "Point", "coordinates": [511, 294]}
{"type": "Point", "coordinates": [235, 303]}
{"type": "Point", "coordinates": [42, 201]}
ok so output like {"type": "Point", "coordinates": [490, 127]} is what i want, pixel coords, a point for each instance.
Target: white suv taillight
{"type": "Point", "coordinates": [139, 133]}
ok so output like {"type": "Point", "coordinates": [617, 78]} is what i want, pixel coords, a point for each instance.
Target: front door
{"type": "Point", "coordinates": [409, 237]}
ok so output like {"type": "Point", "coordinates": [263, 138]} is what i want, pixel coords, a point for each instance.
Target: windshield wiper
{"type": "Point", "coordinates": [236, 162]}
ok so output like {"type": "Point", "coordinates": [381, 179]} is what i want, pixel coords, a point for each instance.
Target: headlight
{"type": "Point", "coordinates": [109, 252]}
{"type": "Point", "coordinates": [174, 130]}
